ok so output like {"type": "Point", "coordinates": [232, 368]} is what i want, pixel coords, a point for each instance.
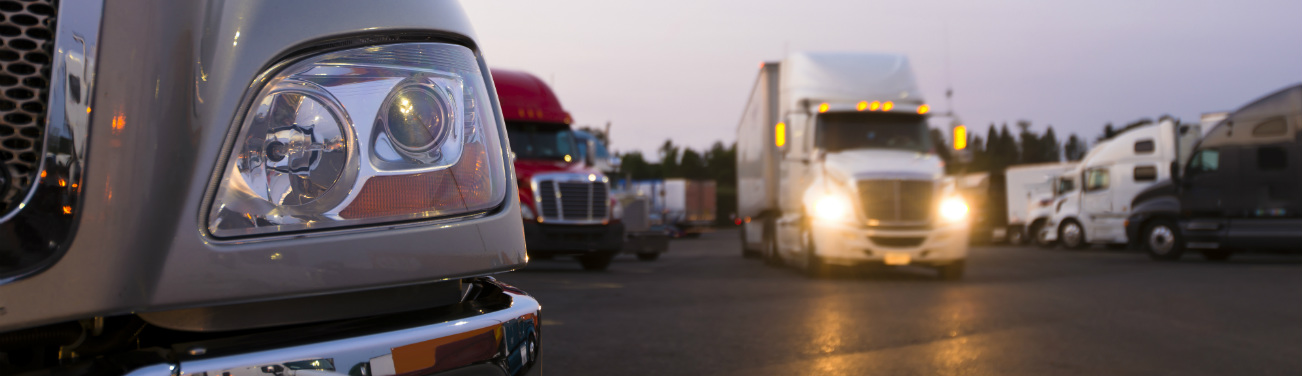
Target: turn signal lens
{"type": "Point", "coordinates": [780, 134]}
{"type": "Point", "coordinates": [822, 108]}
{"type": "Point", "coordinates": [924, 109]}
{"type": "Point", "coordinates": [363, 136]}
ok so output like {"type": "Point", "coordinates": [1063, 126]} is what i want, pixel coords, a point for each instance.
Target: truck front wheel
{"type": "Point", "coordinates": [1071, 234]}
{"type": "Point", "coordinates": [1162, 240]}
{"type": "Point", "coordinates": [596, 261]}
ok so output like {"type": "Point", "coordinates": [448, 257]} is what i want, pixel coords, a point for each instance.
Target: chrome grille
{"type": "Point", "coordinates": [897, 200]}
{"type": "Point", "coordinates": [573, 201]}
{"type": "Point", "coordinates": [26, 34]}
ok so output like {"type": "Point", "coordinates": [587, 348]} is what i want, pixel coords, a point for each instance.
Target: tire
{"type": "Point", "coordinates": [1016, 237]}
{"type": "Point", "coordinates": [1162, 240]}
{"type": "Point", "coordinates": [1216, 254]}
{"type": "Point", "coordinates": [1071, 234]}
{"type": "Point", "coordinates": [1040, 241]}
{"type": "Point", "coordinates": [952, 272]}
{"type": "Point", "coordinates": [596, 261]}
{"type": "Point", "coordinates": [770, 252]}
{"type": "Point", "coordinates": [814, 265]}
{"type": "Point", "coordinates": [648, 256]}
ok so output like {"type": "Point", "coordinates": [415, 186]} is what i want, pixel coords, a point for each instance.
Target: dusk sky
{"type": "Point", "coordinates": [683, 70]}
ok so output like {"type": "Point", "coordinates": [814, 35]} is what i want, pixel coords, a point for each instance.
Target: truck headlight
{"type": "Point", "coordinates": [363, 136]}
{"type": "Point", "coordinates": [832, 207]}
{"type": "Point", "coordinates": [953, 208]}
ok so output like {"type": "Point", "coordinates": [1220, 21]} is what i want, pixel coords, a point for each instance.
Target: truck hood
{"type": "Point", "coordinates": [869, 163]}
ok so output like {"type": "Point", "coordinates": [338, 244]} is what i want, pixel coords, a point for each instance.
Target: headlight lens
{"type": "Point", "coordinates": [363, 136]}
{"type": "Point", "coordinates": [833, 207]}
{"type": "Point", "coordinates": [953, 208]}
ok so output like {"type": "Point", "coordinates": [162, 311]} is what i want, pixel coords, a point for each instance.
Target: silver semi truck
{"type": "Point", "coordinates": [248, 187]}
{"type": "Point", "coordinates": [835, 167]}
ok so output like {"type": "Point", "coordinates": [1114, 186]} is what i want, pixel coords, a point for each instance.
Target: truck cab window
{"type": "Point", "coordinates": [1144, 147]}
{"type": "Point", "coordinates": [1272, 158]}
{"type": "Point", "coordinates": [1145, 173]}
{"type": "Point", "coordinates": [1065, 185]}
{"type": "Point", "coordinates": [1096, 179]}
{"type": "Point", "coordinates": [872, 130]}
{"type": "Point", "coordinates": [1208, 160]}
{"type": "Point", "coordinates": [1271, 127]}
{"type": "Point", "coordinates": [543, 141]}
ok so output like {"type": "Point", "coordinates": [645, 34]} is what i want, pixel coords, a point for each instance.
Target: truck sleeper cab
{"type": "Point", "coordinates": [1110, 176]}
{"type": "Point", "coordinates": [566, 204]}
{"type": "Point", "coordinates": [834, 167]}
{"type": "Point", "coordinates": [1239, 190]}
{"type": "Point", "coordinates": [245, 187]}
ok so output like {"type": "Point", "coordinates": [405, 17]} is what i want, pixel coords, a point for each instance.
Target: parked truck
{"type": "Point", "coordinates": [835, 167]}
{"type": "Point", "coordinates": [565, 203]}
{"type": "Point", "coordinates": [689, 205]}
{"type": "Point", "coordinates": [1105, 181]}
{"type": "Point", "coordinates": [1239, 190]}
{"type": "Point", "coordinates": [212, 188]}
{"type": "Point", "coordinates": [1029, 197]}
{"type": "Point", "coordinates": [644, 232]}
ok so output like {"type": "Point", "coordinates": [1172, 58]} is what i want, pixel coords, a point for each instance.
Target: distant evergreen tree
{"type": "Point", "coordinates": [1051, 150]}
{"type": "Point", "coordinates": [1075, 148]}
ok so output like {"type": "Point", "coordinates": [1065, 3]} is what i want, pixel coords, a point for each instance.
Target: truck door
{"type": "Point", "coordinates": [1096, 201]}
{"type": "Point", "coordinates": [1202, 185]}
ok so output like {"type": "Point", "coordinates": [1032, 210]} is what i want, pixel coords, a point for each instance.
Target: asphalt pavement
{"type": "Point", "coordinates": [702, 309]}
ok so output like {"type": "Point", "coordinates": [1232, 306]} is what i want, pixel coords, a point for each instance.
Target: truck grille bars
{"type": "Point", "coordinates": [897, 201]}
{"type": "Point", "coordinates": [573, 201]}
{"type": "Point", "coordinates": [27, 37]}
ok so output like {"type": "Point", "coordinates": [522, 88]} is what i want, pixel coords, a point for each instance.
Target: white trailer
{"type": "Point", "coordinates": [834, 167]}
{"type": "Point", "coordinates": [1094, 208]}
{"type": "Point", "coordinates": [1029, 197]}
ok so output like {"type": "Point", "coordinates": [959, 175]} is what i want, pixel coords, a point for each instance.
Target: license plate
{"type": "Point", "coordinates": [897, 259]}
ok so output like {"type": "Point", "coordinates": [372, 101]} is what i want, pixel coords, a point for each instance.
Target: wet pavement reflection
{"type": "Point", "coordinates": [703, 309]}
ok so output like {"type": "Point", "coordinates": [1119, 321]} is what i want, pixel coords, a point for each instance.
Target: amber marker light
{"type": "Point", "coordinates": [874, 106]}
{"type": "Point", "coordinates": [862, 106]}
{"type": "Point", "coordinates": [960, 137]}
{"type": "Point", "coordinates": [888, 106]}
{"type": "Point", "coordinates": [924, 109]}
{"type": "Point", "coordinates": [822, 107]}
{"type": "Point", "coordinates": [780, 134]}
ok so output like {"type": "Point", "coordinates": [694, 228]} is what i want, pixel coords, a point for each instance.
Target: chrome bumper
{"type": "Point", "coordinates": [501, 342]}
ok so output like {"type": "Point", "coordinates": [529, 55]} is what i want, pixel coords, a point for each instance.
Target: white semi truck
{"type": "Point", "coordinates": [835, 167]}
{"type": "Point", "coordinates": [1093, 200]}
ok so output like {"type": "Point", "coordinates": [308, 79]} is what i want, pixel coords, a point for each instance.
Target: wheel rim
{"type": "Point", "coordinates": [1071, 234]}
{"type": "Point", "coordinates": [1161, 240]}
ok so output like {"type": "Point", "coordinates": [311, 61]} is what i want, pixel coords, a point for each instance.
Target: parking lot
{"type": "Point", "coordinates": [703, 309]}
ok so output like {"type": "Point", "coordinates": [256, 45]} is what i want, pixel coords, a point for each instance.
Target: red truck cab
{"type": "Point", "coordinates": [565, 203]}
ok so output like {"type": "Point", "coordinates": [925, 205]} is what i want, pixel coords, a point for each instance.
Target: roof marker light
{"type": "Point", "coordinates": [875, 105]}
{"type": "Point", "coordinates": [924, 109]}
{"type": "Point", "coordinates": [888, 106]}
{"type": "Point", "coordinates": [822, 107]}
{"type": "Point", "coordinates": [862, 105]}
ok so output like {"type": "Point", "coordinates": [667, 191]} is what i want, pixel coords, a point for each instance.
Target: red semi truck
{"type": "Point", "coordinates": [565, 202]}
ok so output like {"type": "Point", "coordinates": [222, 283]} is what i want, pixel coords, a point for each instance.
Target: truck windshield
{"type": "Point", "coordinates": [872, 130]}
{"type": "Point", "coordinates": [542, 141]}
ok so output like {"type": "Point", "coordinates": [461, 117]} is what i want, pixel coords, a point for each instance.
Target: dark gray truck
{"type": "Point", "coordinates": [241, 187]}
